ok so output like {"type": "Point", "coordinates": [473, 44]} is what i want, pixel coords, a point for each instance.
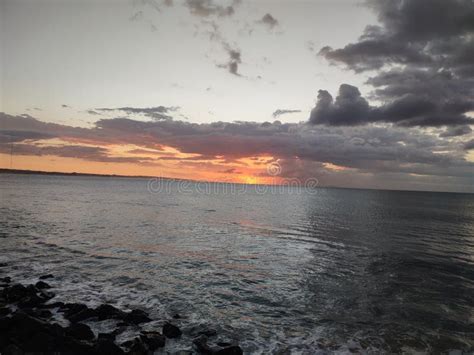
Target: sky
{"type": "Point", "coordinates": [366, 94]}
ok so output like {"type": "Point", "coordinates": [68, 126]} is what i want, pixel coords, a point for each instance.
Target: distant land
{"type": "Point", "coordinates": [38, 172]}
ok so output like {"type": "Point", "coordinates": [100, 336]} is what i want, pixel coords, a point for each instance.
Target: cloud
{"type": "Point", "coordinates": [280, 112]}
{"type": "Point", "coordinates": [206, 8]}
{"type": "Point", "coordinates": [421, 56]}
{"type": "Point", "coordinates": [156, 113]}
{"type": "Point", "coordinates": [469, 145]}
{"type": "Point", "coordinates": [456, 131]}
{"type": "Point", "coordinates": [97, 154]}
{"type": "Point", "coordinates": [269, 21]}
{"type": "Point", "coordinates": [384, 152]}
{"type": "Point", "coordinates": [351, 108]}
{"type": "Point", "coordinates": [234, 61]}
{"type": "Point", "coordinates": [231, 171]}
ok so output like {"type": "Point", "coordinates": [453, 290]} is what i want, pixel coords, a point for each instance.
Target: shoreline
{"type": "Point", "coordinates": [30, 323]}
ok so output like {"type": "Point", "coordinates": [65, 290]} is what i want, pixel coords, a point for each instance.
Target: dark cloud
{"type": "Point", "coordinates": [156, 113]}
{"type": "Point", "coordinates": [206, 8]}
{"type": "Point", "coordinates": [234, 61]}
{"type": "Point", "coordinates": [269, 21]}
{"type": "Point", "coordinates": [13, 136]}
{"type": "Point", "coordinates": [280, 112]}
{"type": "Point", "coordinates": [423, 52]}
{"type": "Point", "coordinates": [469, 145]}
{"type": "Point", "coordinates": [97, 154]}
{"type": "Point", "coordinates": [350, 108]}
{"type": "Point", "coordinates": [456, 131]}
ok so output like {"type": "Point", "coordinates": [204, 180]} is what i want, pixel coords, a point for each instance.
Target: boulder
{"type": "Point", "coordinates": [230, 350]}
{"type": "Point", "coordinates": [137, 316]}
{"type": "Point", "coordinates": [106, 311]}
{"type": "Point", "coordinates": [136, 347]}
{"type": "Point", "coordinates": [153, 340]}
{"type": "Point", "coordinates": [69, 309]}
{"type": "Point", "coordinates": [171, 331]}
{"type": "Point", "coordinates": [107, 347]}
{"type": "Point", "coordinates": [40, 285]}
{"type": "Point", "coordinates": [12, 349]}
{"type": "Point", "coordinates": [201, 345]}
{"type": "Point", "coordinates": [108, 336]}
{"type": "Point", "coordinates": [81, 315]}
{"type": "Point", "coordinates": [80, 331]}
{"type": "Point", "coordinates": [4, 311]}
{"type": "Point", "coordinates": [47, 276]}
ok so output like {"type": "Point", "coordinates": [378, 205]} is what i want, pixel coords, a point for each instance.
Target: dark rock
{"type": "Point", "coordinates": [40, 285]}
{"type": "Point", "coordinates": [16, 293]}
{"type": "Point", "coordinates": [153, 340]}
{"type": "Point", "coordinates": [6, 280]}
{"type": "Point", "coordinates": [171, 331]}
{"type": "Point", "coordinates": [80, 331]}
{"type": "Point", "coordinates": [81, 315]}
{"type": "Point", "coordinates": [3, 264]}
{"type": "Point", "coordinates": [176, 316]}
{"type": "Point", "coordinates": [31, 301]}
{"type": "Point", "coordinates": [26, 297]}
{"type": "Point", "coordinates": [47, 276]}
{"type": "Point", "coordinates": [46, 295]}
{"type": "Point", "coordinates": [44, 313]}
{"type": "Point", "coordinates": [38, 313]}
{"type": "Point", "coordinates": [137, 347]}
{"type": "Point", "coordinates": [107, 336]}
{"type": "Point", "coordinates": [137, 316]}
{"type": "Point", "coordinates": [4, 311]}
{"type": "Point", "coordinates": [106, 311]}
{"type": "Point", "coordinates": [38, 342]}
{"type": "Point", "coordinates": [12, 349]}
{"type": "Point", "coordinates": [230, 350]}
{"type": "Point", "coordinates": [107, 347]}
{"type": "Point", "coordinates": [53, 305]}
{"type": "Point", "coordinates": [69, 309]}
{"type": "Point", "coordinates": [223, 344]}
{"type": "Point", "coordinates": [5, 324]}
{"type": "Point", "coordinates": [201, 345]}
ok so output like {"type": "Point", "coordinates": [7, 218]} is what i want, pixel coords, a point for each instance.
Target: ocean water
{"type": "Point", "coordinates": [280, 271]}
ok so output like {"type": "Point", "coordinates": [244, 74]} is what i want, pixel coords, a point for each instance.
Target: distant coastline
{"type": "Point", "coordinates": [39, 172]}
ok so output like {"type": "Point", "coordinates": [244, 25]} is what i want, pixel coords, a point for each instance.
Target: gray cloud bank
{"type": "Point", "coordinates": [374, 156]}
{"type": "Point", "coordinates": [421, 54]}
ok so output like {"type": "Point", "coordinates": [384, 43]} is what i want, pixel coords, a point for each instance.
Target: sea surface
{"type": "Point", "coordinates": [280, 271]}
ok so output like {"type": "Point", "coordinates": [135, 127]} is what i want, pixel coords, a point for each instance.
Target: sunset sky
{"type": "Point", "coordinates": [375, 94]}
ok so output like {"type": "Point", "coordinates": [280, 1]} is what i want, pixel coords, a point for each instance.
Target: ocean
{"type": "Point", "coordinates": [288, 270]}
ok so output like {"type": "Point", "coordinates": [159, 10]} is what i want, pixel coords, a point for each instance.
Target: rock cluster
{"type": "Point", "coordinates": [27, 326]}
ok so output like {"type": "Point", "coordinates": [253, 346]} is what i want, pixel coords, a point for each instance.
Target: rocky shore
{"type": "Point", "coordinates": [28, 324]}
